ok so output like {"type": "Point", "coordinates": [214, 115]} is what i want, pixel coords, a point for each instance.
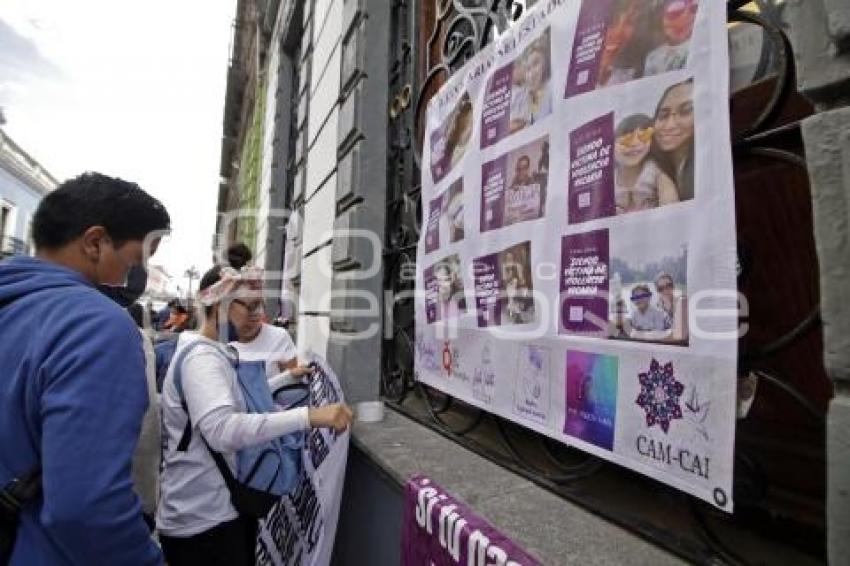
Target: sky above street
{"type": "Point", "coordinates": [129, 89]}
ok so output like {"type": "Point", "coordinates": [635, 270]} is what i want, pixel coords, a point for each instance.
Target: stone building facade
{"type": "Point", "coordinates": [23, 183]}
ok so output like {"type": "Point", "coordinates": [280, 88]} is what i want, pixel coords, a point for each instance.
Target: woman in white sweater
{"type": "Point", "coordinates": [196, 519]}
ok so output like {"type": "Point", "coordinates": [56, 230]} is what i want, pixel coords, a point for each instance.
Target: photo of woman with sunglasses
{"type": "Point", "coordinates": [639, 181]}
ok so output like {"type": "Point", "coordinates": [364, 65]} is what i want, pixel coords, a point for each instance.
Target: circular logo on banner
{"type": "Point", "coordinates": [720, 497]}
{"type": "Point", "coordinates": [447, 358]}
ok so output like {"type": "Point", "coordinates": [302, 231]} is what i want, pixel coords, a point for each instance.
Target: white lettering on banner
{"type": "Point", "coordinates": [450, 526]}
{"type": "Point", "coordinates": [425, 495]}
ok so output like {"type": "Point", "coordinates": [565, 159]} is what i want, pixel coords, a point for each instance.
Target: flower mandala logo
{"type": "Point", "coordinates": [659, 395]}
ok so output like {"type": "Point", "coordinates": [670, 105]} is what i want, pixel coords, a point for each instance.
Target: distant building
{"type": "Point", "coordinates": [23, 183]}
{"type": "Point", "coordinates": [159, 281]}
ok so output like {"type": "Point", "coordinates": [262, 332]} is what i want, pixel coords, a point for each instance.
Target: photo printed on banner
{"type": "Point", "coordinates": [445, 298]}
{"type": "Point", "coordinates": [504, 287]}
{"type": "Point", "coordinates": [652, 142]}
{"type": "Point", "coordinates": [533, 383]}
{"type": "Point", "coordinates": [618, 41]}
{"type": "Point", "coordinates": [518, 94]}
{"type": "Point", "coordinates": [649, 287]}
{"type": "Point", "coordinates": [445, 218]}
{"type": "Point", "coordinates": [591, 397]}
{"type": "Point", "coordinates": [513, 186]}
{"type": "Point", "coordinates": [632, 288]}
{"type": "Point", "coordinates": [450, 141]}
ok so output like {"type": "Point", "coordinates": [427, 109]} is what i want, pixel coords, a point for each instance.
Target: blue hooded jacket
{"type": "Point", "coordinates": [72, 397]}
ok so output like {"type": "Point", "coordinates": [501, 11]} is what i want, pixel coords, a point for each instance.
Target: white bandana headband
{"type": "Point", "coordinates": [251, 277]}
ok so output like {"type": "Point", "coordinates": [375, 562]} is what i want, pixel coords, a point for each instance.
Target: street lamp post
{"type": "Point", "coordinates": [192, 274]}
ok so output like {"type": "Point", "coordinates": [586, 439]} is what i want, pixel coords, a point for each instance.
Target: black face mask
{"type": "Point", "coordinates": [137, 282]}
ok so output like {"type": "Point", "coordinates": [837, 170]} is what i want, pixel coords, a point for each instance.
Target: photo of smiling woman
{"type": "Point", "coordinates": [531, 94]}
{"type": "Point", "coordinates": [673, 136]}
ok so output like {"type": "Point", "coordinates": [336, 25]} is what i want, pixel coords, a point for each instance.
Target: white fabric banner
{"type": "Point", "coordinates": [301, 529]}
{"type": "Point", "coordinates": [577, 263]}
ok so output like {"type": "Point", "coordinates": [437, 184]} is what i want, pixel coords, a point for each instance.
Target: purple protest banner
{"type": "Point", "coordinates": [439, 530]}
{"type": "Point", "coordinates": [493, 181]}
{"type": "Point", "coordinates": [588, 46]}
{"type": "Point", "coordinates": [591, 181]}
{"type": "Point", "coordinates": [584, 283]}
{"type": "Point", "coordinates": [495, 118]}
{"type": "Point", "coordinates": [489, 295]}
{"type": "Point", "coordinates": [432, 236]}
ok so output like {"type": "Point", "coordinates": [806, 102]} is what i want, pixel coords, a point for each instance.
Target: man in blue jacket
{"type": "Point", "coordinates": [72, 375]}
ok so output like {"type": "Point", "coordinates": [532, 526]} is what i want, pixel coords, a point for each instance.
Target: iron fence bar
{"type": "Point", "coordinates": [562, 478]}
{"type": "Point", "coordinates": [785, 83]}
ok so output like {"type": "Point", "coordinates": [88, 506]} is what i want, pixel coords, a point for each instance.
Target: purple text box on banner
{"type": "Point", "coordinates": [584, 283]}
{"type": "Point", "coordinates": [591, 184]}
{"type": "Point", "coordinates": [496, 116]}
{"type": "Point", "coordinates": [439, 530]}
{"type": "Point", "coordinates": [488, 290]}
{"type": "Point", "coordinates": [432, 235]}
{"type": "Point", "coordinates": [588, 46]}
{"type": "Point", "coordinates": [493, 180]}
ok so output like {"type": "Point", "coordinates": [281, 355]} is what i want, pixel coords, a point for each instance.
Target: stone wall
{"type": "Point", "coordinates": [820, 34]}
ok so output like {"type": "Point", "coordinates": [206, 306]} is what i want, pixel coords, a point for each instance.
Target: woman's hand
{"type": "Point", "coordinates": [337, 416]}
{"type": "Point", "coordinates": [300, 371]}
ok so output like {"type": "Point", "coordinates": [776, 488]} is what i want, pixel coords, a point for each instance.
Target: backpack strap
{"type": "Point", "coordinates": [19, 490]}
{"type": "Point", "coordinates": [186, 437]}
{"type": "Point", "coordinates": [304, 389]}
{"type": "Point", "coordinates": [223, 468]}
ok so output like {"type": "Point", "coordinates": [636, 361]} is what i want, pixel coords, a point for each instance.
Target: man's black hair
{"type": "Point", "coordinates": [238, 255]}
{"type": "Point", "coordinates": [209, 279]}
{"type": "Point", "coordinates": [92, 199]}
